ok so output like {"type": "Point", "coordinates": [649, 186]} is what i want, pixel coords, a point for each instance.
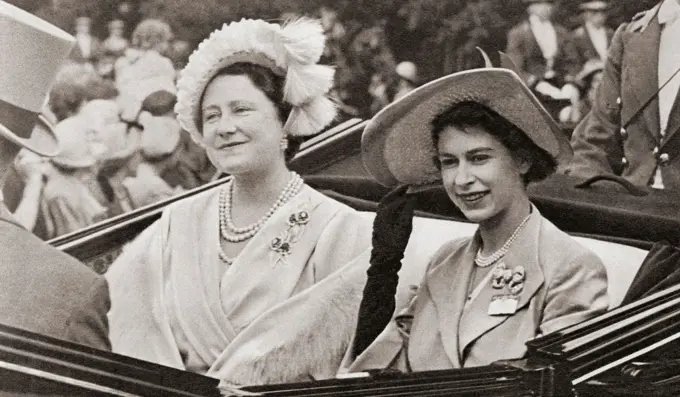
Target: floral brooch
{"type": "Point", "coordinates": [282, 245]}
{"type": "Point", "coordinates": [502, 277]}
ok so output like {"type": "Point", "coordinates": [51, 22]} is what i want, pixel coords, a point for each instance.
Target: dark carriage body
{"type": "Point", "coordinates": [615, 354]}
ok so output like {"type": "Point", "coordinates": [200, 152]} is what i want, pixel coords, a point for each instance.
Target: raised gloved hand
{"type": "Point", "coordinates": [391, 231]}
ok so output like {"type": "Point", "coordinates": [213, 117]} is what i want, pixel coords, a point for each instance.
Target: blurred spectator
{"type": "Point", "coordinates": [88, 47]}
{"type": "Point", "coordinates": [543, 52]}
{"type": "Point", "coordinates": [105, 65]}
{"type": "Point", "coordinates": [181, 163]}
{"type": "Point", "coordinates": [144, 68]}
{"type": "Point", "coordinates": [76, 84]}
{"type": "Point", "coordinates": [68, 203]}
{"type": "Point", "coordinates": [408, 79]}
{"type": "Point", "coordinates": [632, 130]}
{"type": "Point", "coordinates": [372, 68]}
{"type": "Point", "coordinates": [69, 90]}
{"type": "Point", "coordinates": [593, 37]}
{"type": "Point", "coordinates": [179, 54]}
{"type": "Point", "coordinates": [116, 43]}
{"type": "Point", "coordinates": [116, 144]}
{"type": "Point", "coordinates": [588, 80]}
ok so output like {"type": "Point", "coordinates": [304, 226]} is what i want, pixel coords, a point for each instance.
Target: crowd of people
{"type": "Point", "coordinates": [263, 279]}
{"type": "Point", "coordinates": [111, 107]}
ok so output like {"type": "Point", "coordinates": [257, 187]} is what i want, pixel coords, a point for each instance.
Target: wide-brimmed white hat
{"type": "Point", "coordinates": [291, 50]}
{"type": "Point", "coordinates": [32, 52]}
{"type": "Point", "coordinates": [397, 145]}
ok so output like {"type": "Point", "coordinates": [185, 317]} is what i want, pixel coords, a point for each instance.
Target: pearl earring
{"type": "Point", "coordinates": [284, 143]}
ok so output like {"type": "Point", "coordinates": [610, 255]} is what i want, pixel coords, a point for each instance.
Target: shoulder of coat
{"type": "Point", "coordinates": [641, 20]}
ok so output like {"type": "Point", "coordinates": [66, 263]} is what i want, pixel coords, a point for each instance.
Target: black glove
{"type": "Point", "coordinates": [391, 231]}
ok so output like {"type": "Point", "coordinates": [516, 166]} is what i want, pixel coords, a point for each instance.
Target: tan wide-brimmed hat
{"type": "Point", "coordinates": [32, 52]}
{"type": "Point", "coordinates": [397, 146]}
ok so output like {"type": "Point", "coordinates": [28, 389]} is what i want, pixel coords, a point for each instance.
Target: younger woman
{"type": "Point", "coordinates": [519, 276]}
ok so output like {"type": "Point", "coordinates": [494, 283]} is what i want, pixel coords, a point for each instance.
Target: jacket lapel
{"type": "Point", "coordinates": [532, 48]}
{"type": "Point", "coordinates": [644, 77]}
{"type": "Point", "coordinates": [475, 320]}
{"type": "Point", "coordinates": [448, 286]}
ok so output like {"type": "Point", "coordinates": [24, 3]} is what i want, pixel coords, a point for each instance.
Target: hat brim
{"type": "Point", "coordinates": [85, 162]}
{"type": "Point", "coordinates": [43, 141]}
{"type": "Point", "coordinates": [397, 146]}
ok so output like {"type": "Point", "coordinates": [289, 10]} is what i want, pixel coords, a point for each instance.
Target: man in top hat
{"type": "Point", "coordinates": [593, 37]}
{"type": "Point", "coordinates": [41, 289]}
{"type": "Point", "coordinates": [633, 128]}
{"type": "Point", "coordinates": [542, 50]}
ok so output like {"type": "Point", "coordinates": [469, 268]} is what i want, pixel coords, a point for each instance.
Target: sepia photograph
{"type": "Point", "coordinates": [335, 198]}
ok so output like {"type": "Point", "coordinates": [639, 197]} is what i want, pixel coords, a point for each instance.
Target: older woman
{"type": "Point", "coordinates": [519, 276]}
{"type": "Point", "coordinates": [197, 289]}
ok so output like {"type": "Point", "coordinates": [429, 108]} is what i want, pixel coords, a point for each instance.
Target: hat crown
{"type": "Point", "coordinates": [33, 51]}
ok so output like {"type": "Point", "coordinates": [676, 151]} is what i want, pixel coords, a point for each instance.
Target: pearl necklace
{"type": "Point", "coordinates": [235, 234]}
{"type": "Point", "coordinates": [486, 261]}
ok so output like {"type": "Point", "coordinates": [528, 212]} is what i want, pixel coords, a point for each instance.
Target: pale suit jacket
{"type": "Point", "coordinates": [565, 284]}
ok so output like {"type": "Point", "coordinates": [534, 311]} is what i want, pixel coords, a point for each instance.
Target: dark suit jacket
{"type": "Point", "coordinates": [523, 49]}
{"type": "Point", "coordinates": [630, 80]}
{"type": "Point", "coordinates": [46, 291]}
{"type": "Point", "coordinates": [584, 45]}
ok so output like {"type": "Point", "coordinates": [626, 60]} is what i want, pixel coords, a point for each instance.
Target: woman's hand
{"type": "Point", "coordinates": [30, 166]}
{"type": "Point", "coordinates": [391, 231]}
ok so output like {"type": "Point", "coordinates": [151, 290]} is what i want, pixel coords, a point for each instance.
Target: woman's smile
{"type": "Point", "coordinates": [473, 197]}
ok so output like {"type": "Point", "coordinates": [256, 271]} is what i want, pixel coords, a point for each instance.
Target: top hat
{"type": "Point", "coordinates": [33, 50]}
{"type": "Point", "coordinates": [397, 144]}
{"type": "Point", "coordinates": [597, 5]}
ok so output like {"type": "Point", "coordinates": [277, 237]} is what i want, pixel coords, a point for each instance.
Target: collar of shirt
{"type": "Point", "coordinates": [592, 28]}
{"type": "Point", "coordinates": [669, 11]}
{"type": "Point", "coordinates": [536, 21]}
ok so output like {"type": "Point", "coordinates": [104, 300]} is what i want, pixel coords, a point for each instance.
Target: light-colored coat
{"type": "Point", "coordinates": [175, 303]}
{"type": "Point", "coordinates": [565, 284]}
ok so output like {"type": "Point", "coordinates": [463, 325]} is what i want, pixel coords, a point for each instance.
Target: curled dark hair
{"type": "Point", "coordinates": [469, 114]}
{"type": "Point", "coordinates": [272, 86]}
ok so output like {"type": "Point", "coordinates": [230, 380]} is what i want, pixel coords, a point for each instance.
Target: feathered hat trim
{"type": "Point", "coordinates": [291, 51]}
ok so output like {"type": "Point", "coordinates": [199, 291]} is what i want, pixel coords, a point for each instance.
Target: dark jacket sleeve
{"type": "Point", "coordinates": [516, 51]}
{"type": "Point", "coordinates": [88, 323]}
{"type": "Point", "coordinates": [595, 140]}
{"type": "Point", "coordinates": [572, 61]}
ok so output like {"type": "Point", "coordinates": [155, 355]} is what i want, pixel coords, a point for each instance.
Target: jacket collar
{"type": "Point", "coordinates": [448, 284]}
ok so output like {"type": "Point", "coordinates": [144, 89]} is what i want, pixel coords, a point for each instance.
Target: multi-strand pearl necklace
{"type": "Point", "coordinates": [486, 261]}
{"type": "Point", "coordinates": [235, 234]}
